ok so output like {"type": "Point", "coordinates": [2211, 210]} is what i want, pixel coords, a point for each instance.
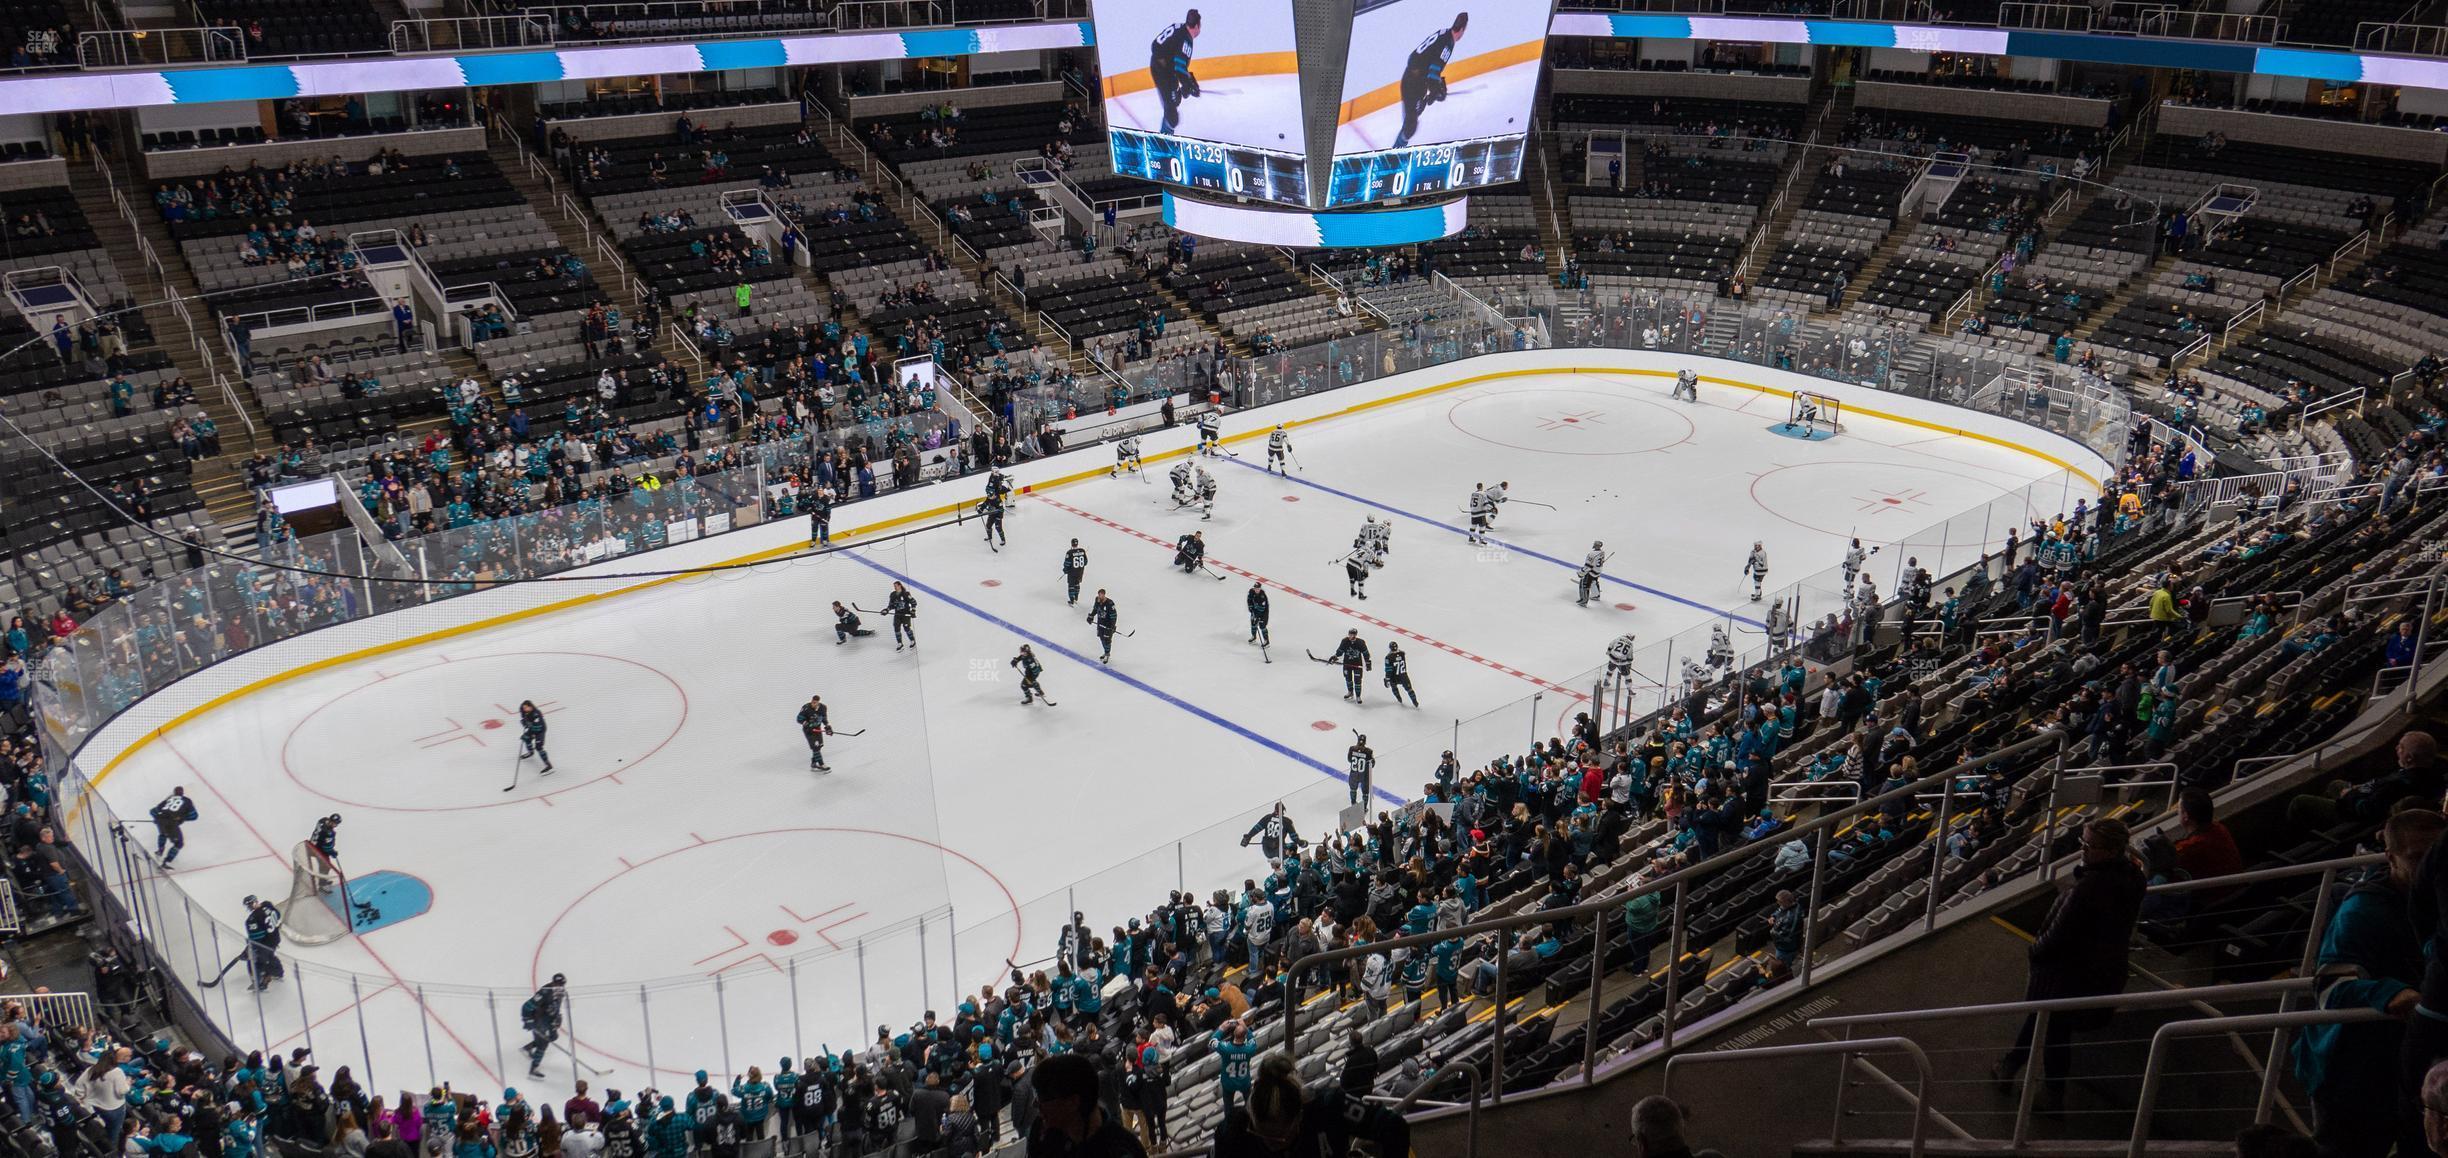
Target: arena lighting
{"type": "Point", "coordinates": [1296, 229]}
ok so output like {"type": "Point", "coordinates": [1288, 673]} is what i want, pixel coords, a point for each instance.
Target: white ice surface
{"type": "Point", "coordinates": [684, 836]}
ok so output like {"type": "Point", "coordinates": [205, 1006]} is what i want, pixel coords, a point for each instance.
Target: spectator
{"type": "Point", "coordinates": [1657, 1130]}
{"type": "Point", "coordinates": [1071, 1122]}
{"type": "Point", "coordinates": [1359, 1067]}
{"type": "Point", "coordinates": [2372, 957]}
{"type": "Point", "coordinates": [2206, 849]}
{"type": "Point", "coordinates": [1282, 1119]}
{"type": "Point", "coordinates": [2403, 648]}
{"type": "Point", "coordinates": [2416, 777]}
{"type": "Point", "coordinates": [2080, 951]}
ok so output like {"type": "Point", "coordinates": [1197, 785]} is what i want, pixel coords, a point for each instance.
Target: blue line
{"type": "Point", "coordinates": [1082, 659]}
{"type": "Point", "coordinates": [1544, 558]}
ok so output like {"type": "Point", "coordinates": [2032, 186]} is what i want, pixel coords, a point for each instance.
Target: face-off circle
{"type": "Point", "coordinates": [1568, 421]}
{"type": "Point", "coordinates": [1885, 503]}
{"type": "Point", "coordinates": [443, 737]}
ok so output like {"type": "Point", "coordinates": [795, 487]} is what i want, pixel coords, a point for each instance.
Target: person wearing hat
{"type": "Point", "coordinates": [668, 1135]}
{"type": "Point", "coordinates": [786, 1096]}
{"type": "Point", "coordinates": [620, 1129]}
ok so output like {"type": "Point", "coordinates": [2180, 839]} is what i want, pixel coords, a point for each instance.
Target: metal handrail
{"type": "Point", "coordinates": [1912, 1049]}
{"type": "Point", "coordinates": [2256, 876]}
{"type": "Point", "coordinates": [2154, 1069]}
{"type": "Point", "coordinates": [1478, 1081]}
{"type": "Point", "coordinates": [1679, 882]}
{"type": "Point", "coordinates": [2165, 997]}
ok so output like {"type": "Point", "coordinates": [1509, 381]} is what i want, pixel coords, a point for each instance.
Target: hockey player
{"type": "Point", "coordinates": [1423, 76]}
{"type": "Point", "coordinates": [1353, 655]}
{"type": "Point", "coordinates": [1482, 512]}
{"type": "Point", "coordinates": [1398, 673]}
{"type": "Point", "coordinates": [991, 509]}
{"type": "Point", "coordinates": [816, 723]}
{"type": "Point", "coordinates": [1780, 626]}
{"type": "Point", "coordinates": [1275, 834]}
{"type": "Point", "coordinates": [326, 835]}
{"type": "Point", "coordinates": [1074, 568]}
{"type": "Point", "coordinates": [903, 608]}
{"type": "Point", "coordinates": [1279, 445]}
{"type": "Point", "coordinates": [263, 924]}
{"type": "Point", "coordinates": [1103, 614]}
{"type": "Point", "coordinates": [1258, 612]}
{"type": "Point", "coordinates": [820, 516]}
{"type": "Point", "coordinates": [1593, 567]}
{"type": "Point", "coordinates": [540, 1016]}
{"type": "Point", "coordinates": [1497, 497]}
{"type": "Point", "coordinates": [1356, 569]}
{"type": "Point", "coordinates": [1695, 677]}
{"type": "Point", "coordinates": [173, 813]}
{"type": "Point", "coordinates": [1126, 457]}
{"type": "Point", "coordinates": [531, 736]}
{"type": "Point", "coordinates": [1190, 552]}
{"type": "Point", "coordinates": [846, 625]}
{"type": "Point", "coordinates": [1180, 477]}
{"type": "Point", "coordinates": [1721, 647]}
{"type": "Point", "coordinates": [1756, 568]}
{"type": "Point", "coordinates": [1204, 493]}
{"type": "Point", "coordinates": [1210, 433]}
{"type": "Point", "coordinates": [1169, 68]}
{"type": "Point", "coordinates": [1853, 557]}
{"type": "Point", "coordinates": [1030, 669]}
{"type": "Point", "coordinates": [1377, 537]}
{"type": "Point", "coordinates": [1619, 657]}
{"type": "Point", "coordinates": [1362, 761]}
{"type": "Point", "coordinates": [1687, 385]}
{"type": "Point", "coordinates": [998, 486]}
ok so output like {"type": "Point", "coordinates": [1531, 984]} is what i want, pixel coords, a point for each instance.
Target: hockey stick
{"type": "Point", "coordinates": [514, 770]}
{"type": "Point", "coordinates": [860, 732]}
{"type": "Point", "coordinates": [1220, 576]}
{"type": "Point", "coordinates": [1296, 462]}
{"type": "Point", "coordinates": [1530, 503]}
{"type": "Point", "coordinates": [233, 963]}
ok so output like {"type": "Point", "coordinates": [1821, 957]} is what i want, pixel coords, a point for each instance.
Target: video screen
{"type": "Point", "coordinates": [1225, 73]}
{"type": "Point", "coordinates": [1423, 74]}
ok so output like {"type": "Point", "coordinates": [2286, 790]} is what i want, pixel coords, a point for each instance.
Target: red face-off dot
{"type": "Point", "coordinates": [782, 937]}
{"type": "Point", "coordinates": [1625, 607]}
{"type": "Point", "coordinates": [1291, 498]}
{"type": "Point", "coordinates": [990, 583]}
{"type": "Point", "coordinates": [1324, 725]}
{"type": "Point", "coordinates": [490, 724]}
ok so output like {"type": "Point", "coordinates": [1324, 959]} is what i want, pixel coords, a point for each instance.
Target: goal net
{"type": "Point", "coordinates": [1815, 413]}
{"type": "Point", "coordinates": [317, 911]}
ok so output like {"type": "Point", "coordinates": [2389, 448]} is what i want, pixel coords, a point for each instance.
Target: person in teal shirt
{"type": "Point", "coordinates": [668, 1135]}
{"type": "Point", "coordinates": [1234, 1048]}
{"type": "Point", "coordinates": [756, 1101]}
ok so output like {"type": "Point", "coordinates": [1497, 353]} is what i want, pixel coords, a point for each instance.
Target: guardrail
{"type": "Point", "coordinates": [2251, 314]}
{"type": "Point", "coordinates": [2353, 246]}
{"type": "Point", "coordinates": [319, 312]}
{"type": "Point", "coordinates": [2042, 17]}
{"type": "Point", "coordinates": [2403, 39]}
{"type": "Point", "coordinates": [2290, 285]}
{"type": "Point", "coordinates": [140, 47]}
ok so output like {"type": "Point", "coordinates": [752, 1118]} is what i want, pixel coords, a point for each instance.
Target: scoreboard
{"type": "Point", "coordinates": [1232, 170]}
{"type": "Point", "coordinates": [1418, 172]}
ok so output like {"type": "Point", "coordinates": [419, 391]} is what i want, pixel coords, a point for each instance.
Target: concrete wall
{"type": "Point", "coordinates": [660, 122]}
{"type": "Point", "coordinates": [50, 172]}
{"type": "Point", "coordinates": [274, 154]}
{"type": "Point", "coordinates": [1704, 85]}
{"type": "Point", "coordinates": [989, 96]}
{"type": "Point", "coordinates": [2307, 133]}
{"type": "Point", "coordinates": [2046, 108]}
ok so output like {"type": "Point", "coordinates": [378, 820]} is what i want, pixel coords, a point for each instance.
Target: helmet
{"type": "Point", "coordinates": [1597, 545]}
{"type": "Point", "coordinates": [251, 901]}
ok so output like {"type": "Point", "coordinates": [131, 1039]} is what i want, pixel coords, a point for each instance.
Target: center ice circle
{"type": "Point", "coordinates": [1564, 420]}
{"type": "Point", "coordinates": [443, 737]}
{"type": "Point", "coordinates": [1887, 503]}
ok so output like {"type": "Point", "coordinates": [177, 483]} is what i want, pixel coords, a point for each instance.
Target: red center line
{"type": "Point", "coordinates": [1321, 601]}
{"type": "Point", "coordinates": [427, 1010]}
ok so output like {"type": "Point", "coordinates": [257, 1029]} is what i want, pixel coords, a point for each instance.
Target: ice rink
{"type": "Point", "coordinates": [684, 838]}
{"type": "Point", "coordinates": [1492, 104]}
{"type": "Point", "coordinates": [1262, 111]}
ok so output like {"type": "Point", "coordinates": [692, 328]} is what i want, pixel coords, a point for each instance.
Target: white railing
{"type": "Point", "coordinates": [2288, 287]}
{"type": "Point", "coordinates": [2196, 346]}
{"type": "Point", "coordinates": [2250, 315]}
{"type": "Point", "coordinates": [2354, 245]}
{"type": "Point", "coordinates": [2340, 401]}
{"type": "Point", "coordinates": [230, 396]}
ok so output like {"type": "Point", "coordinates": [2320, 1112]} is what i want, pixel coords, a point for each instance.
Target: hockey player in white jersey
{"type": "Point", "coordinates": [1496, 500]}
{"type": "Point", "coordinates": [1695, 677]}
{"type": "Point", "coordinates": [1180, 474]}
{"type": "Point", "coordinates": [1356, 569]}
{"type": "Point", "coordinates": [1619, 658]}
{"type": "Point", "coordinates": [1279, 445]}
{"type": "Point", "coordinates": [1482, 512]}
{"type": "Point", "coordinates": [1721, 646]}
{"type": "Point", "coordinates": [1592, 565]}
{"type": "Point", "coordinates": [1687, 385]}
{"type": "Point", "coordinates": [1377, 537]}
{"type": "Point", "coordinates": [1756, 568]}
{"type": "Point", "coordinates": [1210, 432]}
{"type": "Point", "coordinates": [1780, 626]}
{"type": "Point", "coordinates": [1853, 557]}
{"type": "Point", "coordinates": [1203, 493]}
{"type": "Point", "coordinates": [1126, 457]}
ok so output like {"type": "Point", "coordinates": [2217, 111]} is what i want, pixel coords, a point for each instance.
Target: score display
{"type": "Point", "coordinates": [1232, 170]}
{"type": "Point", "coordinates": [1421, 171]}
